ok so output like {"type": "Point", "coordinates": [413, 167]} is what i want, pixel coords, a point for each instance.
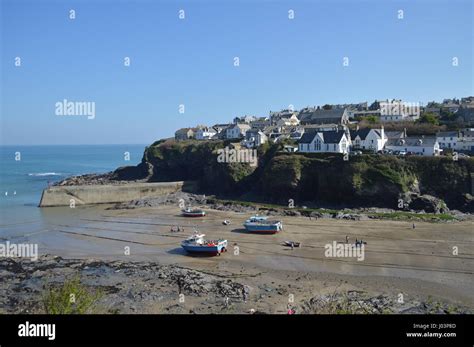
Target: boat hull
{"type": "Point", "coordinates": [193, 215]}
{"type": "Point", "coordinates": [262, 229]}
{"type": "Point", "coordinates": [212, 250]}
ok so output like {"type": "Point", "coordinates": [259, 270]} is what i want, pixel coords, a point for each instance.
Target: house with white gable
{"type": "Point", "coordinates": [288, 121]}
{"type": "Point", "coordinates": [254, 138]}
{"type": "Point", "coordinates": [204, 133]}
{"type": "Point", "coordinates": [332, 141]}
{"type": "Point", "coordinates": [371, 139]}
{"type": "Point", "coordinates": [237, 131]}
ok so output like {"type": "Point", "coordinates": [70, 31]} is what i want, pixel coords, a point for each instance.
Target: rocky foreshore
{"type": "Point", "coordinates": [148, 287]}
{"type": "Point", "coordinates": [188, 199]}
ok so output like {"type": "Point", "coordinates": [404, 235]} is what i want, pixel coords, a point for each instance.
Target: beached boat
{"type": "Point", "coordinates": [197, 244]}
{"type": "Point", "coordinates": [188, 212]}
{"type": "Point", "coordinates": [261, 224]}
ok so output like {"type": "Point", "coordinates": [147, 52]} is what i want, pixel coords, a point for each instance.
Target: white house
{"type": "Point", "coordinates": [427, 146]}
{"type": "Point", "coordinates": [237, 131]}
{"type": "Point", "coordinates": [372, 139]}
{"type": "Point", "coordinates": [333, 141]}
{"type": "Point", "coordinates": [205, 133]}
{"type": "Point", "coordinates": [448, 139]}
{"type": "Point", "coordinates": [466, 140]}
{"type": "Point", "coordinates": [288, 121]}
{"type": "Point", "coordinates": [254, 138]}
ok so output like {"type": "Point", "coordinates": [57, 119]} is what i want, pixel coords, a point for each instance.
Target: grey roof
{"type": "Point", "coordinates": [447, 134]}
{"type": "Point", "coordinates": [329, 136]}
{"type": "Point", "coordinates": [394, 134]}
{"type": "Point", "coordinates": [412, 141]}
{"type": "Point", "coordinates": [322, 116]}
{"type": "Point", "coordinates": [253, 132]}
{"type": "Point", "coordinates": [362, 133]}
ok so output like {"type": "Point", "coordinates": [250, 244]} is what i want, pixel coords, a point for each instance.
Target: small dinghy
{"type": "Point", "coordinates": [292, 243]}
{"type": "Point", "coordinates": [226, 222]}
{"type": "Point", "coordinates": [188, 212]}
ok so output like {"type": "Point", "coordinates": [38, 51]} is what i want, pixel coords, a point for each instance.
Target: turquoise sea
{"type": "Point", "coordinates": [22, 181]}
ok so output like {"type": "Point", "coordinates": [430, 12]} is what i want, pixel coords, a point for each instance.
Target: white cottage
{"type": "Point", "coordinates": [372, 139]}
{"type": "Point", "coordinates": [254, 138]}
{"type": "Point", "coordinates": [332, 141]}
{"type": "Point", "coordinates": [237, 131]}
{"type": "Point", "coordinates": [205, 133]}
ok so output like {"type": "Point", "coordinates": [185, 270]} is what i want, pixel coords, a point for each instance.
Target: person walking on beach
{"type": "Point", "coordinates": [244, 294]}
{"type": "Point", "coordinates": [413, 225]}
{"type": "Point", "coordinates": [347, 239]}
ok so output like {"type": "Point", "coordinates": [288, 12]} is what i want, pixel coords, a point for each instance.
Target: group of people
{"type": "Point", "coordinates": [175, 229]}
{"type": "Point", "coordinates": [358, 243]}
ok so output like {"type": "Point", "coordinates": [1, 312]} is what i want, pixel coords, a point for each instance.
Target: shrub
{"type": "Point", "coordinates": [70, 298]}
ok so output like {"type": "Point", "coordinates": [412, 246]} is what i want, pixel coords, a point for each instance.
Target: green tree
{"type": "Point", "coordinates": [429, 118]}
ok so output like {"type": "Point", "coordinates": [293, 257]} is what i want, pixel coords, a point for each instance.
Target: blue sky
{"type": "Point", "coordinates": [190, 61]}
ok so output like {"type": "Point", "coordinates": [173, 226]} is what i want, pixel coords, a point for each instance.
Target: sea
{"type": "Point", "coordinates": [26, 170]}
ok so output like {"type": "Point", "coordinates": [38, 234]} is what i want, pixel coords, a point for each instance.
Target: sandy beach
{"type": "Point", "coordinates": [417, 263]}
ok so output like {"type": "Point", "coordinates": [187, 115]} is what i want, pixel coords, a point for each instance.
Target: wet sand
{"type": "Point", "coordinates": [419, 263]}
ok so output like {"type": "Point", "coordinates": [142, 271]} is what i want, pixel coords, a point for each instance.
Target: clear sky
{"type": "Point", "coordinates": [173, 61]}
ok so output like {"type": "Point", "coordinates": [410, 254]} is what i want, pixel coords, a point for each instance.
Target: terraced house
{"type": "Point", "coordinates": [426, 146]}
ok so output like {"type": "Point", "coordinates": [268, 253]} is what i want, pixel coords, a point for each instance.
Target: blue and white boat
{"type": "Point", "coordinates": [261, 224]}
{"type": "Point", "coordinates": [197, 244]}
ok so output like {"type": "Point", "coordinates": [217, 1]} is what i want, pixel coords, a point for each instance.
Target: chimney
{"type": "Point", "coordinates": [382, 132]}
{"type": "Point", "coordinates": [357, 127]}
{"type": "Point", "coordinates": [404, 132]}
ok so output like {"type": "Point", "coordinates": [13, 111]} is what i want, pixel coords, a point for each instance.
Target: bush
{"type": "Point", "coordinates": [70, 298]}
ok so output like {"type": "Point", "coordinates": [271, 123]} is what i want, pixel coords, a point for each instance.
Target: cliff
{"type": "Point", "coordinates": [311, 179]}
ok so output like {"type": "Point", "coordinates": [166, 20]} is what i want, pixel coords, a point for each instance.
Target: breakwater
{"type": "Point", "coordinates": [108, 193]}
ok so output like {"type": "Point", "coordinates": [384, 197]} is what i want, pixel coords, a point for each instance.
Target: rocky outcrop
{"type": "Point", "coordinates": [423, 202]}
